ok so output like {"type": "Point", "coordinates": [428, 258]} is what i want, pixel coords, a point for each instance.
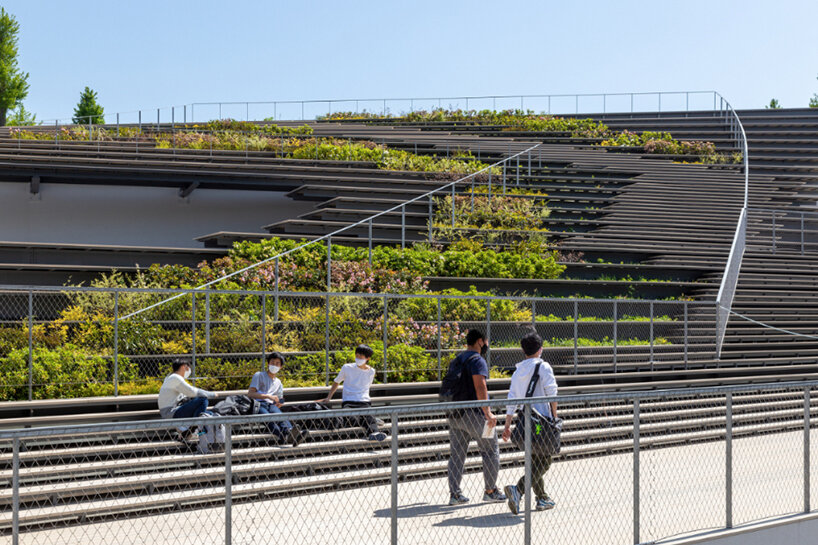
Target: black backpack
{"type": "Point", "coordinates": [325, 423]}
{"type": "Point", "coordinates": [238, 405]}
{"type": "Point", "coordinates": [453, 386]}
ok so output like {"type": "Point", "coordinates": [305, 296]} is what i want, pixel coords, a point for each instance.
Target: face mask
{"type": "Point", "coordinates": [274, 369]}
{"type": "Point", "coordinates": [187, 372]}
{"type": "Point", "coordinates": [484, 350]}
{"type": "Point", "coordinates": [360, 362]}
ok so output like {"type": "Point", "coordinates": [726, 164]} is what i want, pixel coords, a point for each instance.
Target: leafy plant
{"type": "Point", "coordinates": [13, 81]}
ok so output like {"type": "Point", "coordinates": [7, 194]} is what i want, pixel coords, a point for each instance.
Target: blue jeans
{"type": "Point", "coordinates": [192, 408]}
{"type": "Point", "coordinates": [279, 429]}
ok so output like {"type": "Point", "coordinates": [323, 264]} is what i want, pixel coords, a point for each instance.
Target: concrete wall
{"type": "Point", "coordinates": [796, 530]}
{"type": "Point", "coordinates": [98, 214]}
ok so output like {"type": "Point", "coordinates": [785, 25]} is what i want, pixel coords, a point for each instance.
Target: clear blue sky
{"type": "Point", "coordinates": [146, 53]}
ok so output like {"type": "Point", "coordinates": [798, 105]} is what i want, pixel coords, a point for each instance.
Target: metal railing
{"type": "Point", "coordinates": [783, 230]}
{"type": "Point", "coordinates": [623, 474]}
{"type": "Point", "coordinates": [727, 289]}
{"type": "Point", "coordinates": [74, 341]}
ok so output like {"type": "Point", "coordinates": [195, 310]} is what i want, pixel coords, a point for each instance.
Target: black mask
{"type": "Point", "coordinates": [484, 350]}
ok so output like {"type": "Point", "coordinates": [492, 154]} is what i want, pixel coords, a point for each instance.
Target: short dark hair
{"type": "Point", "coordinates": [275, 356]}
{"type": "Point", "coordinates": [179, 362]}
{"type": "Point", "coordinates": [531, 343]}
{"type": "Point", "coordinates": [364, 350]}
{"type": "Point", "coordinates": [473, 336]}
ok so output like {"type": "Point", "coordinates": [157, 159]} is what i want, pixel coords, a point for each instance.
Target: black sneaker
{"type": "Point", "coordinates": [495, 496]}
{"type": "Point", "coordinates": [458, 499]}
{"type": "Point", "coordinates": [379, 436]}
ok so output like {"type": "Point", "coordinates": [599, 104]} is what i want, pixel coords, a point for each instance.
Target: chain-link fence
{"type": "Point", "coordinates": [634, 468]}
{"type": "Point", "coordinates": [79, 342]}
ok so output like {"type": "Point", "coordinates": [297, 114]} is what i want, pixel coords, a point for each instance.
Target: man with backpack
{"type": "Point", "coordinates": [466, 381]}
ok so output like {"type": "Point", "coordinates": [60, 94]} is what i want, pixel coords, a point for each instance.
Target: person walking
{"type": "Point", "coordinates": [545, 386]}
{"type": "Point", "coordinates": [471, 372]}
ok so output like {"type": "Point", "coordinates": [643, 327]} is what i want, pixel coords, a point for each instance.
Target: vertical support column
{"type": "Point", "coordinates": [207, 322]}
{"type": "Point", "coordinates": [369, 238]}
{"type": "Point", "coordinates": [651, 336]}
{"type": "Point", "coordinates": [527, 493]}
{"type": "Point", "coordinates": [453, 205]}
{"type": "Point", "coordinates": [385, 337]}
{"type": "Point", "coordinates": [576, 335]}
{"type": "Point", "coordinates": [275, 297]}
{"type": "Point", "coordinates": [116, 343]}
{"type": "Point", "coordinates": [193, 334]}
{"type": "Point", "coordinates": [439, 347]}
{"type": "Point", "coordinates": [728, 462]}
{"type": "Point", "coordinates": [329, 263]}
{"type": "Point", "coordinates": [117, 124]}
{"type": "Point", "coordinates": [488, 329]}
{"type": "Point", "coordinates": [430, 218]}
{"type": "Point", "coordinates": [685, 332]}
{"type": "Point", "coordinates": [615, 323]}
{"type": "Point", "coordinates": [807, 476]}
{"type": "Point", "coordinates": [30, 344]}
{"type": "Point", "coordinates": [636, 499]}
{"type": "Point", "coordinates": [394, 482]}
{"type": "Point", "coordinates": [517, 183]}
{"type": "Point", "coordinates": [228, 484]}
{"type": "Point", "coordinates": [184, 110]}
{"type": "Point", "coordinates": [504, 176]}
{"type": "Point", "coordinates": [402, 228]}
{"type": "Point", "coordinates": [489, 199]}
{"type": "Point", "coordinates": [263, 329]}
{"type": "Point", "coordinates": [326, 339]}
{"type": "Point", "coordinates": [15, 492]}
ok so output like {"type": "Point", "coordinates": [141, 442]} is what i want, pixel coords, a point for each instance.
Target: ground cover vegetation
{"type": "Point", "coordinates": [648, 142]}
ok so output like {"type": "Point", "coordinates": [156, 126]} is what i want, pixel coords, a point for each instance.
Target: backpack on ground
{"type": "Point", "coordinates": [453, 386]}
{"type": "Point", "coordinates": [326, 423]}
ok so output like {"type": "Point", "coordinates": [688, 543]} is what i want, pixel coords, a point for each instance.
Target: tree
{"type": "Point", "coordinates": [813, 102]}
{"type": "Point", "coordinates": [87, 110]}
{"type": "Point", "coordinates": [20, 117]}
{"type": "Point", "coordinates": [774, 105]}
{"type": "Point", "coordinates": [13, 82]}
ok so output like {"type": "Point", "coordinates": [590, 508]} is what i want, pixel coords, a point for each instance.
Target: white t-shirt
{"type": "Point", "coordinates": [174, 388]}
{"type": "Point", "coordinates": [356, 381]}
{"type": "Point", "coordinates": [546, 385]}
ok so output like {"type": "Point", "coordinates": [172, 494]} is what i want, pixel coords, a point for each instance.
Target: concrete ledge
{"type": "Point", "coordinates": [799, 529]}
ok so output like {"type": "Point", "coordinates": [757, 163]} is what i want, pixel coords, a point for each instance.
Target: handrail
{"type": "Point", "coordinates": [729, 282]}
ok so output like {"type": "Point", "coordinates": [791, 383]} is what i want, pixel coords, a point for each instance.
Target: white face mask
{"type": "Point", "coordinates": [360, 362]}
{"type": "Point", "coordinates": [187, 372]}
{"type": "Point", "coordinates": [274, 369]}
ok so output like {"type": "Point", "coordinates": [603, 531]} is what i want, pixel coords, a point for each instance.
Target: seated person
{"type": "Point", "coordinates": [178, 399]}
{"type": "Point", "coordinates": [267, 390]}
{"type": "Point", "coordinates": [357, 378]}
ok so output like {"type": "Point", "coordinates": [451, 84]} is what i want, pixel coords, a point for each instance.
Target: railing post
{"type": "Point", "coordinates": [193, 334]}
{"type": "Point", "coordinates": [527, 493]}
{"type": "Point", "coordinates": [402, 227]}
{"type": "Point", "coordinates": [263, 329]}
{"type": "Point", "coordinates": [615, 323]}
{"type": "Point", "coordinates": [728, 465]}
{"type": "Point", "coordinates": [636, 499]}
{"type": "Point", "coordinates": [117, 124]}
{"type": "Point", "coordinates": [369, 239]}
{"type": "Point", "coordinates": [439, 348]}
{"type": "Point", "coordinates": [228, 484]}
{"type": "Point", "coordinates": [576, 334]}
{"type": "Point", "coordinates": [651, 336]}
{"type": "Point", "coordinates": [807, 476]}
{"type": "Point", "coordinates": [773, 232]}
{"type": "Point", "coordinates": [385, 337]}
{"type": "Point", "coordinates": [184, 110]}
{"type": "Point", "coordinates": [453, 206]}
{"type": "Point", "coordinates": [802, 233]}
{"type": "Point", "coordinates": [15, 492]}
{"type": "Point", "coordinates": [326, 339]}
{"type": "Point", "coordinates": [116, 343]}
{"type": "Point", "coordinates": [207, 322]}
{"type": "Point", "coordinates": [517, 183]}
{"type": "Point", "coordinates": [685, 331]}
{"type": "Point", "coordinates": [394, 482]}
{"type": "Point", "coordinates": [430, 219]}
{"type": "Point", "coordinates": [275, 302]}
{"type": "Point", "coordinates": [504, 177]}
{"type": "Point", "coordinates": [488, 329]}
{"type": "Point", "coordinates": [329, 263]}
{"type": "Point", "coordinates": [30, 344]}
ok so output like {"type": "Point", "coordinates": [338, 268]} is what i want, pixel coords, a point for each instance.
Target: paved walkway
{"type": "Point", "coordinates": [682, 489]}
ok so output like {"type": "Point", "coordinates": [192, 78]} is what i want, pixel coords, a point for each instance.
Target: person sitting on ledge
{"type": "Point", "coordinates": [178, 399]}
{"type": "Point", "coordinates": [266, 389]}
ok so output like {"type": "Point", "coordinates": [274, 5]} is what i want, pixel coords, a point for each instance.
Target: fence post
{"type": "Point", "coordinates": [807, 476]}
{"type": "Point", "coordinates": [369, 242]}
{"type": "Point", "coordinates": [651, 336]}
{"type": "Point", "coordinates": [430, 219]}
{"type": "Point", "coordinates": [228, 484]}
{"type": "Point", "coordinates": [453, 206]}
{"type": "Point", "coordinates": [394, 481]}
{"type": "Point", "coordinates": [685, 321]}
{"type": "Point", "coordinates": [504, 177]}
{"type": "Point", "coordinates": [326, 339]}
{"type": "Point", "coordinates": [728, 463]}
{"type": "Point", "coordinates": [488, 329]}
{"type": "Point", "coordinates": [773, 233]}
{"type": "Point", "coordinates": [576, 335]}
{"type": "Point", "coordinates": [517, 183]}
{"type": "Point", "coordinates": [193, 334]}
{"type": "Point", "coordinates": [275, 302]}
{"type": "Point", "coordinates": [184, 118]}
{"type": "Point", "coordinates": [489, 198]}
{"type": "Point", "coordinates": [15, 492]}
{"type": "Point", "coordinates": [207, 322]}
{"type": "Point", "coordinates": [527, 492]}
{"type": "Point", "coordinates": [30, 344]}
{"type": "Point", "coordinates": [117, 124]}
{"type": "Point", "coordinates": [439, 348]}
{"type": "Point", "coordinates": [802, 233]}
{"type": "Point", "coordinates": [402, 228]}
{"type": "Point", "coordinates": [263, 329]}
{"type": "Point", "coordinates": [116, 343]}
{"type": "Point", "coordinates": [329, 263]}
{"type": "Point", "coordinates": [636, 522]}
{"type": "Point", "coordinates": [385, 337]}
{"type": "Point", "coordinates": [615, 322]}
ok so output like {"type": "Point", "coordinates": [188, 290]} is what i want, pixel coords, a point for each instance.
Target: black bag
{"type": "Point", "coordinates": [452, 387]}
{"type": "Point", "coordinates": [545, 431]}
{"type": "Point", "coordinates": [326, 423]}
{"type": "Point", "coordinates": [238, 405]}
